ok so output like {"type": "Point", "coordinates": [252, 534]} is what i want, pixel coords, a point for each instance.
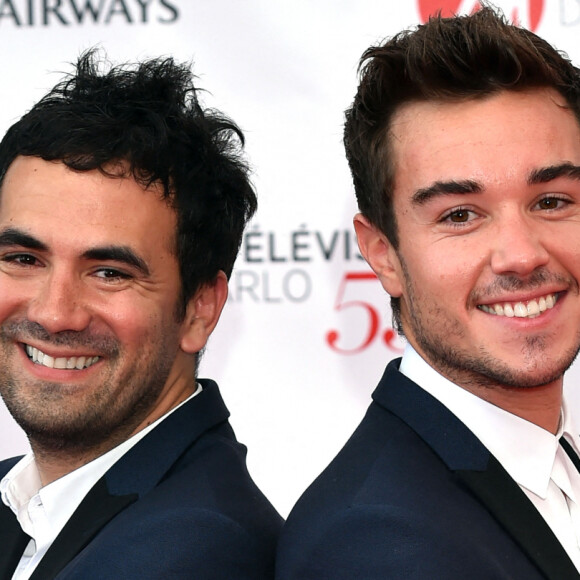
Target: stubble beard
{"type": "Point", "coordinates": [104, 418]}
{"type": "Point", "coordinates": [481, 369]}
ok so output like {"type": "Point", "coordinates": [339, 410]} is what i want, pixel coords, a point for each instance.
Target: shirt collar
{"type": "Point", "coordinates": [20, 484]}
{"type": "Point", "coordinates": [525, 450]}
{"type": "Point", "coordinates": [61, 498]}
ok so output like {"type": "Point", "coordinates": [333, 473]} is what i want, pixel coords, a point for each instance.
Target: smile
{"type": "Point", "coordinates": [74, 362]}
{"type": "Point", "coordinates": [530, 309]}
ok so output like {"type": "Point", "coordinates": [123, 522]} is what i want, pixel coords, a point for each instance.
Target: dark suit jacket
{"type": "Point", "coordinates": [179, 504]}
{"type": "Point", "coordinates": [414, 495]}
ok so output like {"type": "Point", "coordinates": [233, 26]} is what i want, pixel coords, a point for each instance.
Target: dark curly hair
{"type": "Point", "coordinates": [144, 120]}
{"type": "Point", "coordinates": [447, 59]}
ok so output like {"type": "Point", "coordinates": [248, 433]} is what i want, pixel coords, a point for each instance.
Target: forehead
{"type": "Point", "coordinates": [54, 201]}
{"type": "Point", "coordinates": [496, 140]}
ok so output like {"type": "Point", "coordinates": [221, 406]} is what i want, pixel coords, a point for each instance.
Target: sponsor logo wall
{"type": "Point", "coordinates": [306, 332]}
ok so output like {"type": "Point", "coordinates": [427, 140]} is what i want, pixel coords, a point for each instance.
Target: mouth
{"type": "Point", "coordinates": [67, 363]}
{"type": "Point", "coordinates": [528, 309]}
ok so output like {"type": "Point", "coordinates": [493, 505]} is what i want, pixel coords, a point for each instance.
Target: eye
{"type": "Point", "coordinates": [111, 274]}
{"type": "Point", "coordinates": [550, 203]}
{"type": "Point", "coordinates": [20, 259]}
{"type": "Point", "coordinates": [459, 216]}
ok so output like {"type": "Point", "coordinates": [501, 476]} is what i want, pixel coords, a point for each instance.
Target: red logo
{"type": "Point", "coordinates": [529, 16]}
{"type": "Point", "coordinates": [361, 314]}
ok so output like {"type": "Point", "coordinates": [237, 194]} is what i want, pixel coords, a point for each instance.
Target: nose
{"type": "Point", "coordinates": [58, 304]}
{"type": "Point", "coordinates": [518, 247]}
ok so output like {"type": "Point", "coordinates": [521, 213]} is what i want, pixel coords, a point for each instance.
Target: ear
{"type": "Point", "coordinates": [202, 314]}
{"type": "Point", "coordinates": [380, 255]}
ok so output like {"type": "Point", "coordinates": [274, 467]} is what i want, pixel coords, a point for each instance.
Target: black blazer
{"type": "Point", "coordinates": [415, 495]}
{"type": "Point", "coordinates": [179, 504]}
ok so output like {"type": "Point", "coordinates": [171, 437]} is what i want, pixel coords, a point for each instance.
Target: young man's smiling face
{"type": "Point", "coordinates": [90, 341]}
{"type": "Point", "coordinates": [487, 204]}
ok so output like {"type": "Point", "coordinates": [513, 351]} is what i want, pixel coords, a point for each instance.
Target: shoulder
{"type": "Point", "coordinates": [204, 513]}
{"type": "Point", "coordinates": [390, 541]}
{"type": "Point", "coordinates": [181, 541]}
{"type": "Point", "coordinates": [389, 506]}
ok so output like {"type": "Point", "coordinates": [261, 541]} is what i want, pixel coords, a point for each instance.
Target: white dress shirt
{"type": "Point", "coordinates": [42, 512]}
{"type": "Point", "coordinates": [531, 455]}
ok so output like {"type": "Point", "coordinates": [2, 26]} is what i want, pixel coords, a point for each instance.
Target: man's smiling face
{"type": "Point", "coordinates": [89, 291]}
{"type": "Point", "coordinates": [487, 204]}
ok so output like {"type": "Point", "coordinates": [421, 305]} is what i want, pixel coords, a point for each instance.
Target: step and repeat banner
{"type": "Point", "coordinates": [307, 330]}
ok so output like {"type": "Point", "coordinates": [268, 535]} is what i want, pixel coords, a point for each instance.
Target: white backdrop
{"type": "Point", "coordinates": [306, 332]}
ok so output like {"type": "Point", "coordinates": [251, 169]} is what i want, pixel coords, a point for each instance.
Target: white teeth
{"type": "Point", "coordinates": [73, 362]}
{"type": "Point", "coordinates": [532, 309]}
{"type": "Point", "coordinates": [60, 363]}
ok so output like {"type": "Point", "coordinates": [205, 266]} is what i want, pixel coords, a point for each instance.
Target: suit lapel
{"type": "Point", "coordinates": [141, 468]}
{"type": "Point", "coordinates": [509, 505]}
{"type": "Point", "coordinates": [12, 541]}
{"type": "Point", "coordinates": [97, 508]}
{"type": "Point", "coordinates": [476, 469]}
{"type": "Point", "coordinates": [134, 475]}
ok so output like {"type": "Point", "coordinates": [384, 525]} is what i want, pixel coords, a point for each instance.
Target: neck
{"type": "Point", "coordinates": [52, 464]}
{"type": "Point", "coordinates": [56, 457]}
{"type": "Point", "coordinates": [540, 405]}
{"type": "Point", "coordinates": [514, 391]}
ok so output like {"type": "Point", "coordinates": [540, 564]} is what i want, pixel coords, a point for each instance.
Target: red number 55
{"type": "Point", "coordinates": [368, 310]}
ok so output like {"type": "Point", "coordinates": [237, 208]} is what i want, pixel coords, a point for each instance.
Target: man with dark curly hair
{"type": "Point", "coordinates": [122, 207]}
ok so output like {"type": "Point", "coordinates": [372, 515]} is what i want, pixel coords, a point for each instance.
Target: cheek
{"type": "Point", "coordinates": [566, 249]}
{"type": "Point", "coordinates": [14, 298]}
{"type": "Point", "coordinates": [129, 319]}
{"type": "Point", "coordinates": [136, 321]}
{"type": "Point", "coordinates": [445, 276]}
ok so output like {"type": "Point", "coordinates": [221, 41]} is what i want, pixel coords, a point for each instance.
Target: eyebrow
{"type": "Point", "coordinates": [16, 237]}
{"type": "Point", "coordinates": [438, 188]}
{"type": "Point", "coordinates": [453, 187]}
{"type": "Point", "coordinates": [547, 174]}
{"type": "Point", "coordinates": [122, 254]}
